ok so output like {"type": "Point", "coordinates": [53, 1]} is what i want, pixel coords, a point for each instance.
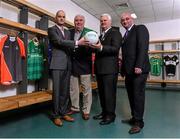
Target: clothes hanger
{"type": "Point", "coordinates": [156, 56]}
{"type": "Point", "coordinates": [35, 40]}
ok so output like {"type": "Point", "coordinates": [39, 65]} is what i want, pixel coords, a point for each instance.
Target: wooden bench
{"type": "Point", "coordinates": [18, 101]}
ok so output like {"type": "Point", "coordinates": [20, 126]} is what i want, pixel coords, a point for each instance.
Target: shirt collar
{"type": "Point", "coordinates": [60, 27]}
{"type": "Point", "coordinates": [107, 30]}
{"type": "Point", "coordinates": [130, 27]}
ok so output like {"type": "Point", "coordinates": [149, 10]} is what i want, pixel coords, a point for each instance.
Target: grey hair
{"type": "Point", "coordinates": [80, 16]}
{"type": "Point", "coordinates": [108, 15]}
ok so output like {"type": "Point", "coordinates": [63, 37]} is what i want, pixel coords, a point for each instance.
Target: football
{"type": "Point", "coordinates": [92, 37]}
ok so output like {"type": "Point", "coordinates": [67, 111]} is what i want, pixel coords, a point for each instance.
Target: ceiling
{"type": "Point", "coordinates": [147, 11]}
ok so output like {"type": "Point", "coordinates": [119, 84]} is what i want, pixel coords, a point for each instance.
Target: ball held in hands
{"type": "Point", "coordinates": [91, 37]}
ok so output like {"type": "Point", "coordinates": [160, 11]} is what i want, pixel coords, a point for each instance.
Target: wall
{"type": "Point", "coordinates": [164, 30]}
{"type": "Point", "coordinates": [70, 9]}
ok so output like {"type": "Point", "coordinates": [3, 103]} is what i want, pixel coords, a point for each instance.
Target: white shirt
{"type": "Point", "coordinates": [61, 28]}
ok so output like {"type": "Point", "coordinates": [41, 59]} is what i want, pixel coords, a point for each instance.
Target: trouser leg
{"type": "Point", "coordinates": [87, 92]}
{"type": "Point", "coordinates": [74, 93]}
{"type": "Point", "coordinates": [61, 83]}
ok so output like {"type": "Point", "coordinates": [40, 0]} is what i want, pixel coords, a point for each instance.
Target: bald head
{"type": "Point", "coordinates": [60, 17]}
{"type": "Point", "coordinates": [126, 20]}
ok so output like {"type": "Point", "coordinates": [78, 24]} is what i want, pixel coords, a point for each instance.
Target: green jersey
{"type": "Point", "coordinates": [156, 65]}
{"type": "Point", "coordinates": [35, 61]}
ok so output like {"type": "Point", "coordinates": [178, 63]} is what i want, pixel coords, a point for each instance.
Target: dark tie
{"type": "Point", "coordinates": [126, 34]}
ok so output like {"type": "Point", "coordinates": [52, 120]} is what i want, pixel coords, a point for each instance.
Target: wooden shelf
{"type": "Point", "coordinates": [156, 81]}
{"type": "Point", "coordinates": [35, 10]}
{"type": "Point", "coordinates": [19, 26]}
{"type": "Point", "coordinates": [163, 51]}
{"type": "Point", "coordinates": [165, 41]}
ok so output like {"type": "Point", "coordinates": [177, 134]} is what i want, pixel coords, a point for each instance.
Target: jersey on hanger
{"type": "Point", "coordinates": [156, 65]}
{"type": "Point", "coordinates": [35, 60]}
{"type": "Point", "coordinates": [11, 53]}
{"type": "Point", "coordinates": [170, 62]}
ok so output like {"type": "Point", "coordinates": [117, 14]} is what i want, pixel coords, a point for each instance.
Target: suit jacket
{"type": "Point", "coordinates": [61, 47]}
{"type": "Point", "coordinates": [106, 61]}
{"type": "Point", "coordinates": [135, 50]}
{"type": "Point", "coordinates": [81, 57]}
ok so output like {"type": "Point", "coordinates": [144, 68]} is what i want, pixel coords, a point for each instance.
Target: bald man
{"type": "Point", "coordinates": [135, 67]}
{"type": "Point", "coordinates": [59, 38]}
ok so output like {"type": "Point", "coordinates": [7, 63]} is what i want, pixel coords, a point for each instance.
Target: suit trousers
{"type": "Point", "coordinates": [85, 81]}
{"type": "Point", "coordinates": [107, 87]}
{"type": "Point", "coordinates": [135, 86]}
{"type": "Point", "coordinates": [61, 95]}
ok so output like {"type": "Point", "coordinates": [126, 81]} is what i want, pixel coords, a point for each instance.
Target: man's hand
{"type": "Point", "coordinates": [97, 46]}
{"type": "Point", "coordinates": [83, 42]}
{"type": "Point", "coordinates": [138, 70]}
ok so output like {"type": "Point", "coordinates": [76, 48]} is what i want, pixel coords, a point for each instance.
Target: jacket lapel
{"type": "Point", "coordinates": [85, 30]}
{"type": "Point", "coordinates": [129, 34]}
{"type": "Point", "coordinates": [66, 34]}
{"type": "Point", "coordinates": [102, 38]}
{"type": "Point", "coordinates": [72, 33]}
{"type": "Point", "coordinates": [59, 32]}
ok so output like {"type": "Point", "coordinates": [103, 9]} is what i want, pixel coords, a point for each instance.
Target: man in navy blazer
{"type": "Point", "coordinates": [81, 71]}
{"type": "Point", "coordinates": [135, 68]}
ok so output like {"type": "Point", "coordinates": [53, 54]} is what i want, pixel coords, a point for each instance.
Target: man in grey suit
{"type": "Point", "coordinates": [60, 65]}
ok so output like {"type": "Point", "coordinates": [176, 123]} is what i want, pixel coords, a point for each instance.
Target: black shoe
{"type": "Point", "coordinates": [98, 117]}
{"type": "Point", "coordinates": [107, 121]}
{"type": "Point", "coordinates": [129, 121]}
{"type": "Point", "coordinates": [135, 129]}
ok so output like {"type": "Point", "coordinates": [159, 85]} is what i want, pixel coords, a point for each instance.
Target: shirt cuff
{"type": "Point", "coordinates": [101, 48]}
{"type": "Point", "coordinates": [76, 44]}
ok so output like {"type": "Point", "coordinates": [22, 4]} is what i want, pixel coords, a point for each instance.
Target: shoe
{"type": "Point", "coordinates": [72, 112]}
{"type": "Point", "coordinates": [57, 122]}
{"type": "Point", "coordinates": [98, 117]}
{"type": "Point", "coordinates": [68, 118]}
{"type": "Point", "coordinates": [107, 121]}
{"type": "Point", "coordinates": [85, 116]}
{"type": "Point", "coordinates": [129, 121]}
{"type": "Point", "coordinates": [135, 129]}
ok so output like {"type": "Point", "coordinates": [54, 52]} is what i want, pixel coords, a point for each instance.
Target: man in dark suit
{"type": "Point", "coordinates": [135, 68]}
{"type": "Point", "coordinates": [106, 69]}
{"type": "Point", "coordinates": [81, 70]}
{"type": "Point", "coordinates": [59, 38]}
